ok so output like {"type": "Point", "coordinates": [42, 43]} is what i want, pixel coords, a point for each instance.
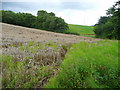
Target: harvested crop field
{"type": "Point", "coordinates": [13, 33]}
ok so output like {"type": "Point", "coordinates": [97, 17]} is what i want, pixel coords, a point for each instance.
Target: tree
{"type": "Point", "coordinates": [103, 19]}
{"type": "Point", "coordinates": [108, 26]}
{"type": "Point", "coordinates": [25, 19]}
{"type": "Point", "coordinates": [8, 17]}
{"type": "Point", "coordinates": [52, 14]}
{"type": "Point", "coordinates": [41, 13]}
{"type": "Point", "coordinates": [48, 21]}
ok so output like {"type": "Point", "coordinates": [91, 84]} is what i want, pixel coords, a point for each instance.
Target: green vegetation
{"type": "Point", "coordinates": [88, 65]}
{"type": "Point", "coordinates": [49, 22]}
{"type": "Point", "coordinates": [32, 68]}
{"type": "Point", "coordinates": [108, 26]}
{"type": "Point", "coordinates": [81, 30]}
{"type": "Point", "coordinates": [22, 19]}
{"type": "Point", "coordinates": [61, 65]}
{"type": "Point", "coordinates": [82, 67]}
{"type": "Point", "coordinates": [22, 73]}
{"type": "Point", "coordinates": [43, 20]}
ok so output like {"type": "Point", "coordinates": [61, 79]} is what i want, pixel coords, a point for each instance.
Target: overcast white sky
{"type": "Point", "coordinates": [82, 12]}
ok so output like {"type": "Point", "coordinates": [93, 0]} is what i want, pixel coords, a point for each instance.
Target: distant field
{"type": "Point", "coordinates": [82, 30]}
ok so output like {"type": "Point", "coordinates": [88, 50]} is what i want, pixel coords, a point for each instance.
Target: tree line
{"type": "Point", "coordinates": [109, 26]}
{"type": "Point", "coordinates": [43, 20]}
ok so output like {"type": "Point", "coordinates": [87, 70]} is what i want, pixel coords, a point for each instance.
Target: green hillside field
{"type": "Point", "coordinates": [81, 30]}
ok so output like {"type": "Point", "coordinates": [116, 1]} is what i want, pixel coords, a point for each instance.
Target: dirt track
{"type": "Point", "coordinates": [14, 33]}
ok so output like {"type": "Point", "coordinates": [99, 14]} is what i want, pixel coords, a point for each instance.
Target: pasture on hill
{"type": "Point", "coordinates": [81, 30]}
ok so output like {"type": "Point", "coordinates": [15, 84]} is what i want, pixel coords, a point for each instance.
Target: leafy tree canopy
{"type": "Point", "coordinates": [43, 20]}
{"type": "Point", "coordinates": [108, 26]}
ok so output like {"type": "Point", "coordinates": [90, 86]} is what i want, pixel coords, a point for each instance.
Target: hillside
{"type": "Point", "coordinates": [26, 50]}
{"type": "Point", "coordinates": [81, 30]}
{"type": "Point", "coordinates": [23, 34]}
{"type": "Point", "coordinates": [41, 50]}
{"type": "Point", "coordinates": [33, 58]}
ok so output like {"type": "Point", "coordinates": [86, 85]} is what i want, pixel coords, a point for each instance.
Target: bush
{"type": "Point", "coordinates": [88, 65]}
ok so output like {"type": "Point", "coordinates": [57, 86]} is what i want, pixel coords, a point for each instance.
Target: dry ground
{"type": "Point", "coordinates": [13, 33]}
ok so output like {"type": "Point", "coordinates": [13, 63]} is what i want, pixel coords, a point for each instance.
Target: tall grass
{"type": "Point", "coordinates": [88, 65]}
{"type": "Point", "coordinates": [30, 64]}
{"type": "Point", "coordinates": [22, 74]}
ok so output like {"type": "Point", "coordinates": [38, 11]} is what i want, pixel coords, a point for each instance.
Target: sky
{"type": "Point", "coordinates": [81, 12]}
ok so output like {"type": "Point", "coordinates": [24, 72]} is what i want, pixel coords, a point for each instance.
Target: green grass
{"type": "Point", "coordinates": [22, 74]}
{"type": "Point", "coordinates": [82, 30]}
{"type": "Point", "coordinates": [88, 65]}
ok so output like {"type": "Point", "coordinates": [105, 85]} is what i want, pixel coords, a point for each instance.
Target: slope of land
{"type": "Point", "coordinates": [81, 30]}
{"type": "Point", "coordinates": [33, 58]}
{"type": "Point", "coordinates": [30, 57]}
{"type": "Point", "coordinates": [23, 34]}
